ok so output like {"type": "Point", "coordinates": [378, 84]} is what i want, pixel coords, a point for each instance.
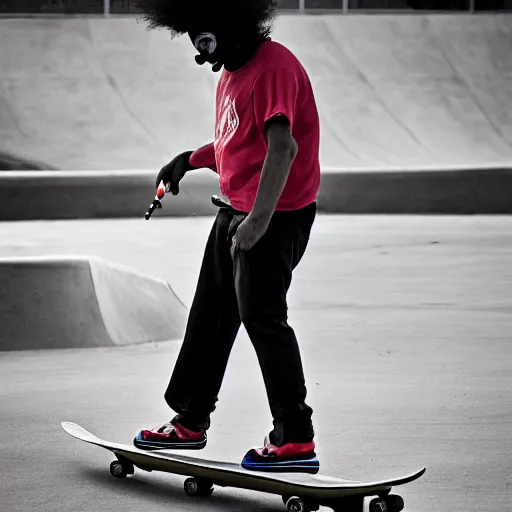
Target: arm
{"type": "Point", "coordinates": [204, 157]}
{"type": "Point", "coordinates": [281, 153]}
{"type": "Point", "coordinates": [275, 97]}
{"type": "Point", "coordinates": [172, 173]}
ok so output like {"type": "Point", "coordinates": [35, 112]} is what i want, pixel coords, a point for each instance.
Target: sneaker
{"type": "Point", "coordinates": [169, 436]}
{"type": "Point", "coordinates": [290, 457]}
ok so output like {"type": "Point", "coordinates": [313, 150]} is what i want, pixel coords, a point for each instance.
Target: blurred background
{"type": "Point", "coordinates": [130, 7]}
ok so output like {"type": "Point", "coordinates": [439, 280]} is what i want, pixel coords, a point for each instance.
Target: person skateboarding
{"type": "Point", "coordinates": [266, 154]}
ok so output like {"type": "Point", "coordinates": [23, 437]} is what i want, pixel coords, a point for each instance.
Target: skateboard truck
{"type": "Point", "coordinates": [160, 193]}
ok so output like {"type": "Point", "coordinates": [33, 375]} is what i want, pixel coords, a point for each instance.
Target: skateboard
{"type": "Point", "coordinates": [300, 492]}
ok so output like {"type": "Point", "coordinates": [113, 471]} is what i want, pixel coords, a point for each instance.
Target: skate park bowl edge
{"type": "Point", "coordinates": [77, 302]}
{"type": "Point", "coordinates": [416, 113]}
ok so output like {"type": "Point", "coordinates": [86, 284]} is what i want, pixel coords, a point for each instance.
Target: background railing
{"type": "Point", "coordinates": [299, 6]}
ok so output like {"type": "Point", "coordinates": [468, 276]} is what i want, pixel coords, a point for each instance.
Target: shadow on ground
{"type": "Point", "coordinates": [10, 162]}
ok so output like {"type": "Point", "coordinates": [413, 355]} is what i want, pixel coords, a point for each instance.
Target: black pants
{"type": "Point", "coordinates": [246, 287]}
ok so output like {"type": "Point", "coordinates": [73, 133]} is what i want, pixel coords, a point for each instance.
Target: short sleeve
{"type": "Point", "coordinates": [274, 93]}
{"type": "Point", "coordinates": [204, 157]}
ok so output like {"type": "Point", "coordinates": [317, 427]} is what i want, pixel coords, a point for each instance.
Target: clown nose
{"type": "Point", "coordinates": [200, 59]}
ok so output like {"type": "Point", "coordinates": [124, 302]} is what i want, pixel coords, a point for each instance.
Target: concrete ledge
{"type": "Point", "coordinates": [93, 194]}
{"type": "Point", "coordinates": [40, 195]}
{"type": "Point", "coordinates": [79, 302]}
{"type": "Point", "coordinates": [426, 191]}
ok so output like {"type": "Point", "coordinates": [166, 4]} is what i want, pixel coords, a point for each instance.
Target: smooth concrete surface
{"type": "Point", "coordinates": [404, 323]}
{"type": "Point", "coordinates": [65, 302]}
{"type": "Point", "coordinates": [406, 90]}
{"type": "Point", "coordinates": [394, 91]}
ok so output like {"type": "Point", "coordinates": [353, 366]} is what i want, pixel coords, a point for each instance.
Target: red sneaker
{"type": "Point", "coordinates": [290, 457]}
{"type": "Point", "coordinates": [169, 436]}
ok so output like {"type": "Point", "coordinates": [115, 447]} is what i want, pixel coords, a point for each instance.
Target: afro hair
{"type": "Point", "coordinates": [237, 16]}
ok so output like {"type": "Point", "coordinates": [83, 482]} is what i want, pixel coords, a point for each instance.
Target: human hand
{"type": "Point", "coordinates": [172, 173]}
{"type": "Point", "coordinates": [249, 232]}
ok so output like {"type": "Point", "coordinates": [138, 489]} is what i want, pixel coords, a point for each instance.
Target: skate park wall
{"type": "Point", "coordinates": [65, 302]}
{"type": "Point", "coordinates": [416, 113]}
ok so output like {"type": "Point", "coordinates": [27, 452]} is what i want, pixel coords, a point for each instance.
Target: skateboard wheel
{"type": "Point", "coordinates": [378, 505]}
{"type": "Point", "coordinates": [191, 486]}
{"type": "Point", "coordinates": [391, 503]}
{"type": "Point", "coordinates": [117, 469]}
{"type": "Point", "coordinates": [194, 487]}
{"type": "Point", "coordinates": [395, 503]}
{"type": "Point", "coordinates": [295, 505]}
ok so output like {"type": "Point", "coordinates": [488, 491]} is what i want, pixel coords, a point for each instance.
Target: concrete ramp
{"type": "Point", "coordinates": [395, 91]}
{"type": "Point", "coordinates": [407, 92]}
{"type": "Point", "coordinates": [68, 302]}
{"type": "Point", "coordinates": [98, 93]}
{"type": "Point", "coordinates": [10, 162]}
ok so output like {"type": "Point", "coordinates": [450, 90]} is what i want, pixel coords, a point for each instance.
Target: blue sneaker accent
{"type": "Point", "coordinates": [255, 462]}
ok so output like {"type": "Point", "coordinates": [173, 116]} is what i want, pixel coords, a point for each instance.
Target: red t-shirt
{"type": "Point", "coordinates": [273, 82]}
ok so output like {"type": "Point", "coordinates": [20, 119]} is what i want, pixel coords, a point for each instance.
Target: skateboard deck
{"type": "Point", "coordinates": [301, 492]}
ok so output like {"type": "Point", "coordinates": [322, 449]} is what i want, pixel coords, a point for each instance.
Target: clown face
{"type": "Point", "coordinates": [223, 47]}
{"type": "Point", "coordinates": [207, 44]}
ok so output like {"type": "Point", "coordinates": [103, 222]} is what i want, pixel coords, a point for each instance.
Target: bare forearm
{"type": "Point", "coordinates": [274, 176]}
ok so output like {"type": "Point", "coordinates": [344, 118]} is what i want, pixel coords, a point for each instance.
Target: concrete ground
{"type": "Point", "coordinates": [405, 326]}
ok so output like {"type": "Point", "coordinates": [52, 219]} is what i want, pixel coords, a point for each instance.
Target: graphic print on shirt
{"type": "Point", "coordinates": [227, 124]}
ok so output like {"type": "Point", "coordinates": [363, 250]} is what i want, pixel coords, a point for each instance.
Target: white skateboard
{"type": "Point", "coordinates": [300, 492]}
